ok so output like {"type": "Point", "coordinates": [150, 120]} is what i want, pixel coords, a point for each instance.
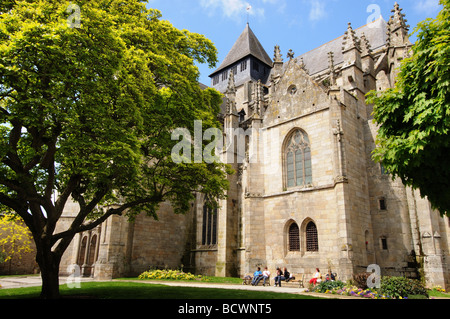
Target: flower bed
{"type": "Point", "coordinates": [167, 274]}
{"type": "Point", "coordinates": [358, 292]}
{"type": "Point", "coordinates": [391, 288]}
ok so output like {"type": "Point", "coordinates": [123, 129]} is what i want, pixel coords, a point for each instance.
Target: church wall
{"type": "Point", "coordinates": [308, 109]}
{"type": "Point", "coordinates": [161, 243]}
{"type": "Point", "coordinates": [301, 207]}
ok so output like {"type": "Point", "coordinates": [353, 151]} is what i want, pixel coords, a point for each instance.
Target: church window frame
{"type": "Point", "coordinates": [216, 80]}
{"type": "Point", "coordinates": [384, 243]}
{"type": "Point", "coordinates": [297, 160]}
{"type": "Point", "coordinates": [225, 75]}
{"type": "Point", "coordinates": [293, 237]}
{"type": "Point", "coordinates": [243, 66]}
{"type": "Point", "coordinates": [209, 226]}
{"type": "Point", "coordinates": [311, 237]}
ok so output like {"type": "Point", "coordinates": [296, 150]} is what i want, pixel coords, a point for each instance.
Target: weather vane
{"type": "Point", "coordinates": [249, 8]}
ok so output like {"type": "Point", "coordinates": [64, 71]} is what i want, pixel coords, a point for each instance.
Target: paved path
{"type": "Point", "coordinates": [29, 281]}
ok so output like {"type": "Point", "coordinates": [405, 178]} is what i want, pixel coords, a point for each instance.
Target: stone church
{"type": "Point", "coordinates": [306, 193]}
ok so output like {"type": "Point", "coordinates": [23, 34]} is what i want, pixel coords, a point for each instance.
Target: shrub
{"type": "Point", "coordinates": [397, 287]}
{"type": "Point", "coordinates": [169, 275]}
{"type": "Point", "coordinates": [360, 280]}
{"type": "Point", "coordinates": [328, 285]}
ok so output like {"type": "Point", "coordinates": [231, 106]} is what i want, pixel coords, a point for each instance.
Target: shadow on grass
{"type": "Point", "coordinates": [128, 290]}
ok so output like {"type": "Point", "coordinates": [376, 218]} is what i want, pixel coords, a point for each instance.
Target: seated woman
{"type": "Point", "coordinates": [317, 278]}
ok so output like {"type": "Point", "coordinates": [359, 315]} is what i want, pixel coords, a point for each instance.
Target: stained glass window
{"type": "Point", "coordinates": [298, 160]}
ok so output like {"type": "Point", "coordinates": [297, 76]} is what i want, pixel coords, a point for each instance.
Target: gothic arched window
{"type": "Point", "coordinates": [294, 237]}
{"type": "Point", "coordinates": [297, 154]}
{"type": "Point", "coordinates": [312, 239]}
{"type": "Point", "coordinates": [209, 226]}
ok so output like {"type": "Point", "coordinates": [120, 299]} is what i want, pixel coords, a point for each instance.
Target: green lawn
{"type": "Point", "coordinates": [131, 290]}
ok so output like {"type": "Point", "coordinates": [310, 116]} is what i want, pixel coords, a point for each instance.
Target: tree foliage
{"type": "Point", "coordinates": [87, 111]}
{"type": "Point", "coordinates": [15, 239]}
{"type": "Point", "coordinates": [414, 117]}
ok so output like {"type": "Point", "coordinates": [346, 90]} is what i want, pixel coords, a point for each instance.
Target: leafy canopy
{"type": "Point", "coordinates": [87, 113]}
{"type": "Point", "coordinates": [414, 117]}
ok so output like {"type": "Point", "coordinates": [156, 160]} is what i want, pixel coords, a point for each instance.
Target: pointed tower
{"type": "Point", "coordinates": [397, 41]}
{"type": "Point", "coordinates": [397, 27]}
{"type": "Point", "coordinates": [352, 73]}
{"type": "Point", "coordinates": [247, 59]}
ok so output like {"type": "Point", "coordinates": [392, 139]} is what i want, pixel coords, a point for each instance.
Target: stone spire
{"type": "Point", "coordinates": [351, 41]}
{"type": "Point", "coordinates": [398, 19]}
{"type": "Point", "coordinates": [277, 58]}
{"type": "Point", "coordinates": [397, 28]}
{"type": "Point", "coordinates": [365, 46]}
{"type": "Point", "coordinates": [332, 68]}
{"type": "Point", "coordinates": [231, 88]}
{"type": "Point", "coordinates": [231, 95]}
{"type": "Point", "coordinates": [259, 99]}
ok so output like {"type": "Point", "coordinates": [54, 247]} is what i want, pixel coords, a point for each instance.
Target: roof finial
{"type": "Point", "coordinates": [365, 46]}
{"type": "Point", "coordinates": [290, 54]}
{"type": "Point", "coordinates": [277, 57]}
{"type": "Point", "coordinates": [249, 9]}
{"type": "Point", "coordinates": [351, 41]}
{"type": "Point", "coordinates": [398, 19]}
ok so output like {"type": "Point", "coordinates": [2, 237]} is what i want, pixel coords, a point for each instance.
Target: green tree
{"type": "Point", "coordinates": [414, 117]}
{"type": "Point", "coordinates": [89, 96]}
{"type": "Point", "coordinates": [15, 239]}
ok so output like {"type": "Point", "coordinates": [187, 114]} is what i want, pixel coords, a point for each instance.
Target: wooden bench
{"type": "Point", "coordinates": [298, 282]}
{"type": "Point", "coordinates": [247, 280]}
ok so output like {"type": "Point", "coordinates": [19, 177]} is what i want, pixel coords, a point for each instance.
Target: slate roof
{"type": "Point", "coordinates": [317, 60]}
{"type": "Point", "coordinates": [247, 44]}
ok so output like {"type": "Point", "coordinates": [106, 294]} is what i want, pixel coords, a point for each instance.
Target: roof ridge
{"type": "Point", "coordinates": [246, 44]}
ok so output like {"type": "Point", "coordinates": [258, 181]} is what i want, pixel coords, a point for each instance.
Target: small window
{"type": "Point", "coordinates": [256, 66]}
{"type": "Point", "coordinates": [234, 69]}
{"type": "Point", "coordinates": [225, 76]}
{"type": "Point", "coordinates": [384, 244]}
{"type": "Point", "coordinates": [312, 242]}
{"type": "Point", "coordinates": [243, 66]}
{"type": "Point", "coordinates": [382, 203]}
{"type": "Point", "coordinates": [294, 238]}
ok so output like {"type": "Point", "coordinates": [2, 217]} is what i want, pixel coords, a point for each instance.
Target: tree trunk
{"type": "Point", "coordinates": [49, 266]}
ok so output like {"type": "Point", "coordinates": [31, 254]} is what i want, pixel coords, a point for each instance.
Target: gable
{"type": "Point", "coordinates": [296, 94]}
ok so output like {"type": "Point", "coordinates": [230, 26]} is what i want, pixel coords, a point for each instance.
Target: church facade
{"type": "Point", "coordinates": [306, 193]}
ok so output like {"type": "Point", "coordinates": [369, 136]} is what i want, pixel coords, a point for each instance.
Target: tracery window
{"type": "Point", "coordinates": [209, 226]}
{"type": "Point", "coordinates": [297, 154]}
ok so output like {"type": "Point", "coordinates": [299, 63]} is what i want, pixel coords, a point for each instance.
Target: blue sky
{"type": "Point", "coordinates": [300, 25]}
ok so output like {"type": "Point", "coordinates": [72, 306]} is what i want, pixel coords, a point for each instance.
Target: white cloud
{"type": "Point", "coordinates": [317, 11]}
{"type": "Point", "coordinates": [232, 8]}
{"type": "Point", "coordinates": [428, 6]}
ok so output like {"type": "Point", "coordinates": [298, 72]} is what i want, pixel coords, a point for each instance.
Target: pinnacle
{"type": "Point", "coordinates": [398, 19]}
{"type": "Point", "coordinates": [351, 41]}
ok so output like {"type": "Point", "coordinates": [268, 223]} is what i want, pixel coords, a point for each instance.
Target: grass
{"type": "Point", "coordinates": [435, 293]}
{"type": "Point", "coordinates": [132, 290]}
